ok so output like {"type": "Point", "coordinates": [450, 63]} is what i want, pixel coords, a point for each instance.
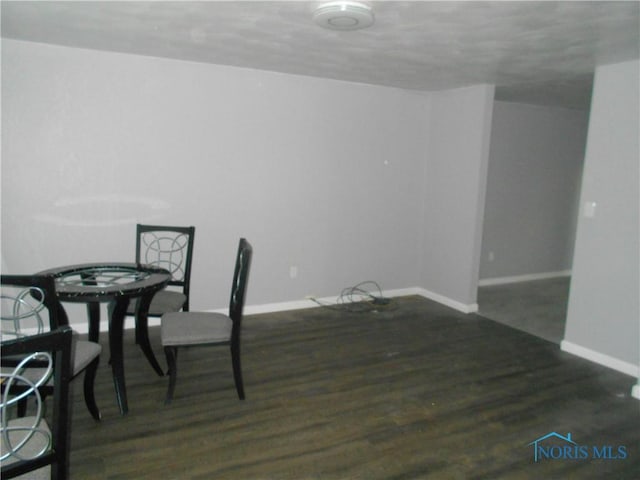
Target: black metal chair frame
{"type": "Point", "coordinates": [59, 343]}
{"type": "Point", "coordinates": [57, 318]}
{"type": "Point", "coordinates": [183, 283]}
{"type": "Point", "coordinates": [236, 306]}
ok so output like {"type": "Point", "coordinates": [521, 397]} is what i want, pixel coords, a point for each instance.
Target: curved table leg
{"type": "Point", "coordinates": [118, 311]}
{"type": "Point", "coordinates": [93, 312]}
{"type": "Point", "coordinates": [142, 331]}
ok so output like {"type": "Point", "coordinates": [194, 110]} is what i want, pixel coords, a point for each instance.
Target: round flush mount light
{"type": "Point", "coordinates": [343, 15]}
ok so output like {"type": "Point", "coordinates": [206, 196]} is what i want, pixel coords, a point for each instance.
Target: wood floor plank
{"type": "Point", "coordinates": [412, 391]}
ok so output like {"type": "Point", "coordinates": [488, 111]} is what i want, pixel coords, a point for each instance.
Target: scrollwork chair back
{"type": "Point", "coordinates": [34, 446]}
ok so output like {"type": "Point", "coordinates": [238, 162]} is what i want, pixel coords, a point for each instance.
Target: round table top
{"type": "Point", "coordinates": [108, 280]}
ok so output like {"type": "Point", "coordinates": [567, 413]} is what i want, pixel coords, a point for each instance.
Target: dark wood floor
{"type": "Point", "coordinates": [413, 391]}
{"type": "Point", "coordinates": [538, 307]}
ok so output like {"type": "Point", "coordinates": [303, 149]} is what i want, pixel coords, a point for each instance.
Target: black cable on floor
{"type": "Point", "coordinates": [357, 299]}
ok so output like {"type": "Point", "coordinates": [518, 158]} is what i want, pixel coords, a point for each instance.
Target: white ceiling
{"type": "Point", "coordinates": [540, 52]}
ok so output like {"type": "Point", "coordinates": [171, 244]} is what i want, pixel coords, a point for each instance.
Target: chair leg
{"type": "Point", "coordinates": [142, 339]}
{"type": "Point", "coordinates": [142, 332]}
{"type": "Point", "coordinates": [89, 395]}
{"type": "Point", "coordinates": [237, 370]}
{"type": "Point", "coordinates": [172, 360]}
{"type": "Point", "coordinates": [132, 302]}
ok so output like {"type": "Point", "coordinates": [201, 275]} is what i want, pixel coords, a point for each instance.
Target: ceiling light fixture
{"type": "Point", "coordinates": [343, 15]}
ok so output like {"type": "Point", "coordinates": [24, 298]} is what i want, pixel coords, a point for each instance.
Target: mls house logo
{"type": "Point", "coordinates": [554, 446]}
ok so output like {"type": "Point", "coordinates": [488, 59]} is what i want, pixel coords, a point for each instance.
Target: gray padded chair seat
{"type": "Point", "coordinates": [191, 329]}
{"type": "Point", "coordinates": [36, 444]}
{"type": "Point", "coordinates": [83, 353]}
{"type": "Point", "coordinates": [36, 294]}
{"type": "Point", "coordinates": [166, 301]}
{"type": "Point", "coordinates": [162, 302]}
{"type": "Point", "coordinates": [195, 328]}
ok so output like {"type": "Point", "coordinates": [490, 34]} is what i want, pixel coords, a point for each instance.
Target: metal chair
{"type": "Point", "coordinates": [171, 248]}
{"type": "Point", "coordinates": [32, 447]}
{"type": "Point", "coordinates": [30, 306]}
{"type": "Point", "coordinates": [188, 329]}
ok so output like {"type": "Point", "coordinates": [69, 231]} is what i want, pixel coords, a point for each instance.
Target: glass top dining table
{"type": "Point", "coordinates": [115, 284]}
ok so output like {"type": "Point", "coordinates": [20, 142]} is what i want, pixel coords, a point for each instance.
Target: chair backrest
{"type": "Point", "coordinates": [30, 443]}
{"type": "Point", "coordinates": [239, 285]}
{"type": "Point", "coordinates": [167, 247]}
{"type": "Point", "coordinates": [29, 306]}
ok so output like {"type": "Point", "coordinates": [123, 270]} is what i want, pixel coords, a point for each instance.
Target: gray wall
{"type": "Point", "coordinates": [324, 175]}
{"type": "Point", "coordinates": [347, 182]}
{"type": "Point", "coordinates": [604, 314]}
{"type": "Point", "coordinates": [459, 133]}
{"type": "Point", "coordinates": [533, 187]}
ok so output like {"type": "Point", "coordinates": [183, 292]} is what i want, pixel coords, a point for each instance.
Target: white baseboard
{"type": "Point", "coordinates": [600, 358]}
{"type": "Point", "coordinates": [302, 304]}
{"type": "Point", "coordinates": [566, 346]}
{"type": "Point", "coordinates": [129, 323]}
{"type": "Point", "coordinates": [436, 297]}
{"type": "Point", "coordinates": [485, 282]}
{"type": "Point", "coordinates": [399, 292]}
{"type": "Point", "coordinates": [285, 306]}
